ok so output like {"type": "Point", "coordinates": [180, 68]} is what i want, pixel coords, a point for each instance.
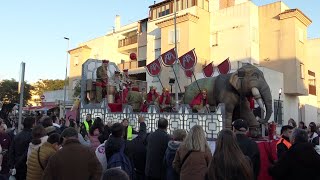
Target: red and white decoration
{"type": "Point", "coordinates": [169, 57]}
{"type": "Point", "coordinates": [224, 67]}
{"type": "Point", "coordinates": [154, 68]}
{"type": "Point", "coordinates": [188, 73]}
{"type": "Point", "coordinates": [188, 60]}
{"type": "Point", "coordinates": [208, 70]}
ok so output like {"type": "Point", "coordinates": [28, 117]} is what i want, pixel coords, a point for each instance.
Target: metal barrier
{"type": "Point", "coordinates": [212, 123]}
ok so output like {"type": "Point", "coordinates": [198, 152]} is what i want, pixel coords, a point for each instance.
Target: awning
{"type": "Point", "coordinates": [39, 108]}
{"type": "Point", "coordinates": [137, 70]}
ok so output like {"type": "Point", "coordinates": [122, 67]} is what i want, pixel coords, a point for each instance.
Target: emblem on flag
{"type": "Point", "coordinates": [188, 60]}
{"type": "Point", "coordinates": [169, 57]}
{"type": "Point", "coordinates": [154, 68]}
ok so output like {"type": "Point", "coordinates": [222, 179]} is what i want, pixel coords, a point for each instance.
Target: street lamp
{"type": "Point", "coordinates": [65, 80]}
{"type": "Point", "coordinates": [276, 118]}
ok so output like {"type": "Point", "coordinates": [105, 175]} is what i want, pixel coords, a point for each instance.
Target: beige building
{"type": "Point", "coordinates": [272, 36]}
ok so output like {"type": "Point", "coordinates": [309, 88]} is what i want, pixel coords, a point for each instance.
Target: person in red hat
{"type": "Point", "coordinates": [150, 99]}
{"type": "Point", "coordinates": [164, 101]}
{"type": "Point", "coordinates": [200, 102]}
{"type": "Point", "coordinates": [102, 80]}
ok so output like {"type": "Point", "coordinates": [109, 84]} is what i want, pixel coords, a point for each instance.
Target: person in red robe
{"type": "Point", "coordinates": [200, 102]}
{"type": "Point", "coordinates": [150, 99]}
{"type": "Point", "coordinates": [164, 101]}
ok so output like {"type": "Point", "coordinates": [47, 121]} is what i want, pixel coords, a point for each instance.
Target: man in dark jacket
{"type": "Point", "coordinates": [156, 148]}
{"type": "Point", "coordinates": [137, 151]}
{"type": "Point", "coordinates": [284, 142]}
{"type": "Point", "coordinates": [19, 149]}
{"type": "Point", "coordinates": [247, 145]}
{"type": "Point", "coordinates": [301, 161]}
{"type": "Point", "coordinates": [73, 161]}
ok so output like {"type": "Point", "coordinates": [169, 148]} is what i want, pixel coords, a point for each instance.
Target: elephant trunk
{"type": "Point", "coordinates": [267, 99]}
{"type": "Point", "coordinates": [257, 96]}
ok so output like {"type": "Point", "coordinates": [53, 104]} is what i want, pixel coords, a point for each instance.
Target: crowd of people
{"type": "Point", "coordinates": [50, 150]}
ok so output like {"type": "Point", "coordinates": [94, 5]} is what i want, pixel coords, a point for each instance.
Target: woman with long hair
{"type": "Point", "coordinates": [193, 156]}
{"type": "Point", "coordinates": [39, 136]}
{"type": "Point", "coordinates": [228, 161]}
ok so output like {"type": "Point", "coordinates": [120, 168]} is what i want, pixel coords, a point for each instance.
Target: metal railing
{"type": "Point", "coordinates": [212, 123]}
{"type": "Point", "coordinates": [127, 41]}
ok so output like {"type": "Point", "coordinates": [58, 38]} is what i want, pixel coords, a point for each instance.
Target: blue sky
{"type": "Point", "coordinates": [32, 31]}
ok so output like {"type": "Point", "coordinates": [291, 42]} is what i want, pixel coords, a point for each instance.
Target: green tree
{"type": "Point", "coordinates": [47, 85]}
{"type": "Point", "coordinates": [9, 91]}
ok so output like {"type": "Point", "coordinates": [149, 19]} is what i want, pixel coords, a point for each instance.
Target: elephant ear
{"type": "Point", "coordinates": [235, 81]}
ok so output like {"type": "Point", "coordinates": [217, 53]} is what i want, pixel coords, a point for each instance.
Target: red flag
{"type": "Point", "coordinates": [169, 57]}
{"type": "Point", "coordinates": [188, 60]}
{"type": "Point", "coordinates": [154, 68]}
{"type": "Point", "coordinates": [208, 70]}
{"type": "Point", "coordinates": [224, 67]}
{"type": "Point", "coordinates": [126, 73]}
{"type": "Point", "coordinates": [188, 73]}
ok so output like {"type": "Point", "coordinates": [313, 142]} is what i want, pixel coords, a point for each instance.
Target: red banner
{"type": "Point", "coordinates": [169, 57]}
{"type": "Point", "coordinates": [154, 68]}
{"type": "Point", "coordinates": [208, 70]}
{"type": "Point", "coordinates": [188, 73]}
{"type": "Point", "coordinates": [126, 73]}
{"type": "Point", "coordinates": [188, 60]}
{"type": "Point", "coordinates": [224, 67]}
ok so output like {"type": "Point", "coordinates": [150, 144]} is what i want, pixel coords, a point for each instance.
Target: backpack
{"type": "Point", "coordinates": [121, 161]}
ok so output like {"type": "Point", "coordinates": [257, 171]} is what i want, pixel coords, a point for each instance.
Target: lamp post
{"type": "Point", "coordinates": [65, 80]}
{"type": "Point", "coordinates": [176, 66]}
{"type": "Point", "coordinates": [276, 118]}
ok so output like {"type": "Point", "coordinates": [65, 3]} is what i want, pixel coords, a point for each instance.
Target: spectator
{"type": "Point", "coordinates": [115, 141]}
{"type": "Point", "coordinates": [137, 150]}
{"type": "Point", "coordinates": [38, 159]}
{"type": "Point", "coordinates": [73, 155]}
{"type": "Point", "coordinates": [247, 146]}
{"type": "Point", "coordinates": [284, 142]}
{"type": "Point", "coordinates": [157, 144]}
{"type": "Point", "coordinates": [39, 137]}
{"type": "Point", "coordinates": [128, 130]}
{"type": "Point", "coordinates": [105, 133]}
{"type": "Point", "coordinates": [313, 136]}
{"type": "Point", "coordinates": [193, 156]}
{"type": "Point", "coordinates": [101, 155]}
{"type": "Point", "coordinates": [63, 125]}
{"type": "Point", "coordinates": [94, 132]}
{"type": "Point", "coordinates": [55, 121]}
{"type": "Point", "coordinates": [115, 174]}
{"type": "Point", "coordinates": [301, 161]}
{"type": "Point", "coordinates": [19, 149]}
{"type": "Point", "coordinates": [302, 125]}
{"type": "Point", "coordinates": [74, 125]}
{"type": "Point", "coordinates": [178, 136]}
{"type": "Point", "coordinates": [5, 142]}
{"type": "Point", "coordinates": [228, 161]}
{"type": "Point", "coordinates": [48, 125]}
{"type": "Point", "coordinates": [86, 125]}
{"type": "Point", "coordinates": [292, 122]}
{"type": "Point", "coordinates": [14, 130]}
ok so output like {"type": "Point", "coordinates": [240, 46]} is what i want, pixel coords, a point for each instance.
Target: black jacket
{"type": "Point", "coordinates": [18, 151]}
{"type": "Point", "coordinates": [137, 150]}
{"type": "Point", "coordinates": [156, 148]}
{"type": "Point", "coordinates": [281, 148]}
{"type": "Point", "coordinates": [250, 149]}
{"type": "Point", "coordinates": [168, 159]}
{"type": "Point", "coordinates": [301, 161]}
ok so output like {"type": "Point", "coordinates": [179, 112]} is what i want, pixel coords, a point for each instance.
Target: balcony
{"type": "Point", "coordinates": [128, 65]}
{"type": "Point", "coordinates": [128, 44]}
{"type": "Point", "coordinates": [312, 90]}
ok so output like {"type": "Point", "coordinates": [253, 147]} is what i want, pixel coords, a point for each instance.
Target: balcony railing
{"type": "Point", "coordinates": [312, 90]}
{"type": "Point", "coordinates": [127, 41]}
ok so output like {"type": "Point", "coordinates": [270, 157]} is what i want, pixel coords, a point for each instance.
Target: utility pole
{"type": "Point", "coordinates": [21, 91]}
{"type": "Point", "coordinates": [176, 66]}
{"type": "Point", "coordinates": [65, 81]}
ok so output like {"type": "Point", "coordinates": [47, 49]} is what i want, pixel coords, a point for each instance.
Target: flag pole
{"type": "Point", "coordinates": [160, 81]}
{"type": "Point", "coordinates": [177, 85]}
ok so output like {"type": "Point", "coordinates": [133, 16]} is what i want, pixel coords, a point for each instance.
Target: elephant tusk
{"type": "Point", "coordinates": [260, 102]}
{"type": "Point", "coordinates": [255, 92]}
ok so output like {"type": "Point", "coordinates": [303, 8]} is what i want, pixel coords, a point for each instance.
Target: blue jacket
{"type": "Point", "coordinates": [169, 157]}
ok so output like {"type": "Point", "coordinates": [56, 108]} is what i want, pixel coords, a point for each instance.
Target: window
{"type": "Point", "coordinates": [163, 13]}
{"type": "Point", "coordinates": [171, 35]}
{"type": "Point", "coordinates": [301, 70]}
{"type": "Point", "coordinates": [142, 63]}
{"type": "Point", "coordinates": [301, 35]}
{"type": "Point", "coordinates": [76, 61]}
{"type": "Point", "coordinates": [312, 83]}
{"type": "Point", "coordinates": [278, 112]}
{"type": "Point", "coordinates": [215, 39]}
